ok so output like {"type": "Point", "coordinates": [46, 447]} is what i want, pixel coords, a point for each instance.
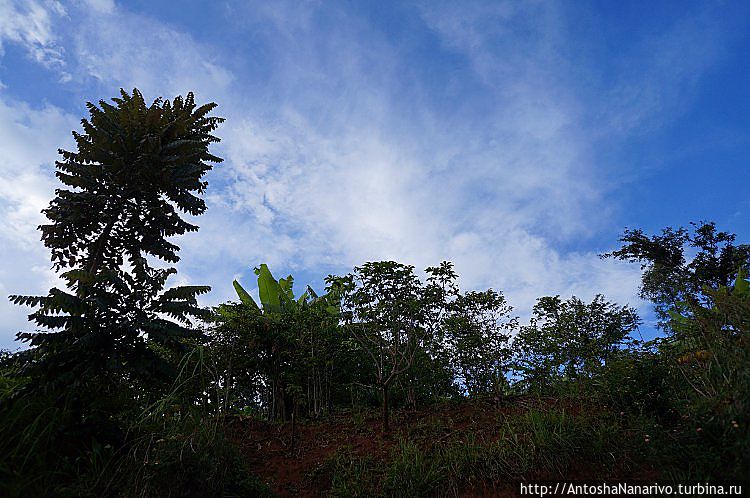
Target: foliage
{"type": "Point", "coordinates": [391, 314]}
{"type": "Point", "coordinates": [635, 380]}
{"type": "Point", "coordinates": [174, 446]}
{"type": "Point", "coordinates": [135, 166]}
{"type": "Point", "coordinates": [177, 445]}
{"type": "Point", "coordinates": [282, 353]}
{"type": "Point", "coordinates": [710, 356]}
{"type": "Point", "coordinates": [570, 339]}
{"type": "Point", "coordinates": [478, 331]}
{"type": "Point", "coordinates": [669, 276]}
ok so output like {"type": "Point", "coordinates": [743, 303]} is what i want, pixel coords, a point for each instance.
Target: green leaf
{"type": "Point", "coordinates": [303, 298]}
{"type": "Point", "coordinates": [246, 298]}
{"type": "Point", "coordinates": [741, 284]}
{"type": "Point", "coordinates": [311, 292]}
{"type": "Point", "coordinates": [269, 289]}
{"type": "Point", "coordinates": [286, 285]}
{"type": "Point", "coordinates": [333, 310]}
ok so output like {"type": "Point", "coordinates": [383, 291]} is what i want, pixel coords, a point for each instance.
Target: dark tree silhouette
{"type": "Point", "coordinates": [670, 275]}
{"type": "Point", "coordinates": [136, 168]}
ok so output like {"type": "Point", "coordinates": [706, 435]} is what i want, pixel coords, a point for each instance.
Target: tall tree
{"type": "Point", "coordinates": [136, 167]}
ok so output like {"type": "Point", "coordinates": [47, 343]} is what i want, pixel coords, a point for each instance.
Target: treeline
{"type": "Point", "coordinates": [127, 385]}
{"type": "Point", "coordinates": [380, 335]}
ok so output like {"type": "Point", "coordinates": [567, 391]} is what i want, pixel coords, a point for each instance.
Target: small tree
{"type": "Point", "coordinates": [570, 339]}
{"type": "Point", "coordinates": [136, 167]}
{"type": "Point", "coordinates": [390, 313]}
{"type": "Point", "coordinates": [478, 331]}
{"type": "Point", "coordinates": [288, 338]}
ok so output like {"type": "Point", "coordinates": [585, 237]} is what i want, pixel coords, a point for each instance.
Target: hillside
{"type": "Point", "coordinates": [388, 380]}
{"type": "Point", "coordinates": [464, 449]}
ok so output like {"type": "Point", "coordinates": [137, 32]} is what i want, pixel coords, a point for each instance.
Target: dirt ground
{"type": "Point", "coordinates": [297, 467]}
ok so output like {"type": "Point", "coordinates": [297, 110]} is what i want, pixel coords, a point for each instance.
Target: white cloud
{"type": "Point", "coordinates": [129, 50]}
{"type": "Point", "coordinates": [101, 6]}
{"type": "Point", "coordinates": [348, 155]}
{"type": "Point", "coordinates": [493, 193]}
{"type": "Point", "coordinates": [29, 139]}
{"type": "Point", "coordinates": [30, 24]}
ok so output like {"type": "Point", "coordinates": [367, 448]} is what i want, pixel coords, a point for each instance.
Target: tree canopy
{"type": "Point", "coordinates": [671, 273]}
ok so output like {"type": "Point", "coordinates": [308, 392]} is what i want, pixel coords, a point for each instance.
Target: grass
{"type": "Point", "coordinates": [537, 443]}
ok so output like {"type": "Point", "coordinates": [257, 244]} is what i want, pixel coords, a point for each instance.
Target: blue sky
{"type": "Point", "coordinates": [516, 139]}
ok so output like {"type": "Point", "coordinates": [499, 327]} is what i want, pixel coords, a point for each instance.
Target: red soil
{"type": "Point", "coordinates": [298, 468]}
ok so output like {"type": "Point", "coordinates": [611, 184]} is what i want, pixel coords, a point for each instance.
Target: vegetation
{"type": "Point", "coordinates": [571, 340]}
{"type": "Point", "coordinates": [670, 278]}
{"type": "Point", "coordinates": [387, 384]}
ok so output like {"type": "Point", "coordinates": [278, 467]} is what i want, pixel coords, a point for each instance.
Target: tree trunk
{"type": "Point", "coordinates": [294, 425]}
{"type": "Point", "coordinates": [272, 411]}
{"type": "Point", "coordinates": [329, 400]}
{"type": "Point", "coordinates": [386, 426]}
{"type": "Point", "coordinates": [228, 381]}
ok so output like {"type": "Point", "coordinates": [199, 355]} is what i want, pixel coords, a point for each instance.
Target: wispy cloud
{"type": "Point", "coordinates": [119, 48]}
{"type": "Point", "coordinates": [30, 24]}
{"type": "Point", "coordinates": [29, 139]}
{"type": "Point", "coordinates": [656, 79]}
{"type": "Point", "coordinates": [378, 177]}
{"type": "Point", "coordinates": [344, 145]}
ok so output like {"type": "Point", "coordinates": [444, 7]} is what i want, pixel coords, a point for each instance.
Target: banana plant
{"type": "Point", "coordinates": [278, 295]}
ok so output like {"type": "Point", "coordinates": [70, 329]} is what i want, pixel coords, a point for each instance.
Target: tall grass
{"type": "Point", "coordinates": [171, 446]}
{"type": "Point", "coordinates": [534, 444]}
